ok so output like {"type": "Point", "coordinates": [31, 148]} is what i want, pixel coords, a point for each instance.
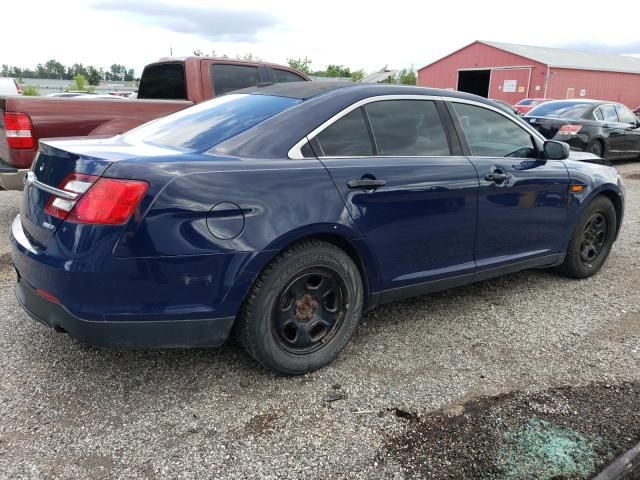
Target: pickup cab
{"type": "Point", "coordinates": [165, 86]}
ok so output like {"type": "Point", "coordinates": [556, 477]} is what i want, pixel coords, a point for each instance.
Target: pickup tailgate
{"type": "Point", "coordinates": [80, 116]}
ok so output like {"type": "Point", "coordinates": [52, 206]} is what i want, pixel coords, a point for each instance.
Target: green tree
{"type": "Point", "coordinates": [93, 75]}
{"type": "Point", "coordinates": [407, 76]}
{"type": "Point", "coordinates": [301, 64]}
{"type": "Point", "coordinates": [198, 53]}
{"type": "Point", "coordinates": [357, 75]}
{"type": "Point", "coordinates": [79, 83]}
{"type": "Point", "coordinates": [54, 69]}
{"type": "Point", "coordinates": [30, 91]}
{"type": "Point", "coordinates": [337, 71]}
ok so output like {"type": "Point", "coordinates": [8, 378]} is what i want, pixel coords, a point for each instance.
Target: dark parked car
{"type": "Point", "coordinates": [285, 211]}
{"type": "Point", "coordinates": [607, 129]}
{"type": "Point", "coordinates": [507, 107]}
{"type": "Point", "coordinates": [526, 105]}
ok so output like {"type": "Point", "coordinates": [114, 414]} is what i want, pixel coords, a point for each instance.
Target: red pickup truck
{"type": "Point", "coordinates": [165, 87]}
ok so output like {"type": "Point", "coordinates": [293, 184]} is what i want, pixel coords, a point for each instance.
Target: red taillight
{"type": "Point", "coordinates": [105, 201]}
{"type": "Point", "coordinates": [570, 129]}
{"type": "Point", "coordinates": [17, 128]}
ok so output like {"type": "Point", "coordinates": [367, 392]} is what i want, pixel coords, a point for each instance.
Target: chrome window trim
{"type": "Point", "coordinates": [295, 152]}
{"type": "Point", "coordinates": [30, 179]}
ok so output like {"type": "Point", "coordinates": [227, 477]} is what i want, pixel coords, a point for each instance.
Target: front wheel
{"type": "Point", "coordinates": [592, 239]}
{"type": "Point", "coordinates": [303, 309]}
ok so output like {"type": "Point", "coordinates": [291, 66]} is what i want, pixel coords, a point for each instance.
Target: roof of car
{"type": "Point", "coordinates": [306, 90]}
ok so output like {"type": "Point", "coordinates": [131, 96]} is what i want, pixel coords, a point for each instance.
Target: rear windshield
{"type": "Point", "coordinates": [202, 126]}
{"type": "Point", "coordinates": [570, 110]}
{"type": "Point", "coordinates": [164, 81]}
{"type": "Point", "coordinates": [527, 101]}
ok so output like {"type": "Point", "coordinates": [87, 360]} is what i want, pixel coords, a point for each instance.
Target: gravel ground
{"type": "Point", "coordinates": [72, 411]}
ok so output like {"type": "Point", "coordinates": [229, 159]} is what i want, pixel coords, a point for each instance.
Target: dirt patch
{"type": "Point", "coordinates": [260, 424]}
{"type": "Point", "coordinates": [562, 433]}
{"type": "Point", "coordinates": [633, 176]}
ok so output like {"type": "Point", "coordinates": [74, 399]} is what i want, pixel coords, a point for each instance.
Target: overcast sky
{"type": "Point", "coordinates": [365, 35]}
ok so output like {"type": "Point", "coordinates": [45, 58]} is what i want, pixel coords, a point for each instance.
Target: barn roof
{"type": "Point", "coordinates": [562, 58]}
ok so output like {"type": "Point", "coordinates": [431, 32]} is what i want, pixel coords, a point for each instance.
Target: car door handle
{"type": "Point", "coordinates": [366, 183]}
{"type": "Point", "coordinates": [496, 177]}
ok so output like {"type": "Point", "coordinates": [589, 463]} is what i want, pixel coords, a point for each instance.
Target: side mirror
{"type": "Point", "coordinates": [554, 150]}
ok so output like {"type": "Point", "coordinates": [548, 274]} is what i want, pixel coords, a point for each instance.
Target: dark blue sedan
{"type": "Point", "coordinates": [282, 212]}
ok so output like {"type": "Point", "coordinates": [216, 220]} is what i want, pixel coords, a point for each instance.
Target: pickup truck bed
{"type": "Point", "coordinates": [165, 87]}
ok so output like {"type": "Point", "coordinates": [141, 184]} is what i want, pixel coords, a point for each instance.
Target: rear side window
{"type": "Point", "coordinates": [598, 114]}
{"type": "Point", "coordinates": [625, 115]}
{"type": "Point", "coordinates": [609, 113]}
{"type": "Point", "coordinates": [283, 76]}
{"type": "Point", "coordinates": [348, 137]}
{"type": "Point", "coordinates": [164, 81]}
{"type": "Point", "coordinates": [202, 126]}
{"type": "Point", "coordinates": [407, 128]}
{"type": "Point", "coordinates": [227, 78]}
{"type": "Point", "coordinates": [490, 134]}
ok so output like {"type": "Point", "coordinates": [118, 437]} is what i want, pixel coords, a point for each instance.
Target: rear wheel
{"type": "Point", "coordinates": [595, 147]}
{"type": "Point", "coordinates": [592, 239]}
{"type": "Point", "coordinates": [303, 309]}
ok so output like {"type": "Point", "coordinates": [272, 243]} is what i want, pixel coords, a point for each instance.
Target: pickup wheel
{"type": "Point", "coordinates": [303, 309]}
{"type": "Point", "coordinates": [592, 239]}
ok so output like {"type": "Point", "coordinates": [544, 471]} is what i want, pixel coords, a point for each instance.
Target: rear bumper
{"type": "Point", "coordinates": [143, 302]}
{"type": "Point", "coordinates": [143, 333]}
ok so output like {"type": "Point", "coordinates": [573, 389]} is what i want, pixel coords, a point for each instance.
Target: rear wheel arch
{"type": "Point", "coordinates": [364, 260]}
{"type": "Point", "coordinates": [357, 249]}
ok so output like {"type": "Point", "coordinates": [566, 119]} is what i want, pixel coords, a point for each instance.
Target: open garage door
{"type": "Point", "coordinates": [474, 81]}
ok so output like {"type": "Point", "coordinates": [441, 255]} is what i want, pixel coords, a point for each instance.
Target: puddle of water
{"type": "Point", "coordinates": [545, 451]}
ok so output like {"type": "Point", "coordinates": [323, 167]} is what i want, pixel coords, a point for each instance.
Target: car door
{"type": "Point", "coordinates": [522, 198]}
{"type": "Point", "coordinates": [412, 199]}
{"type": "Point", "coordinates": [614, 132]}
{"type": "Point", "coordinates": [632, 131]}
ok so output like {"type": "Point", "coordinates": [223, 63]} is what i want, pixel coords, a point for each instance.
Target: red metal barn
{"type": "Point", "coordinates": [511, 72]}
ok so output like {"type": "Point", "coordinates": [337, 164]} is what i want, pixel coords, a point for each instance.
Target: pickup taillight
{"type": "Point", "coordinates": [18, 130]}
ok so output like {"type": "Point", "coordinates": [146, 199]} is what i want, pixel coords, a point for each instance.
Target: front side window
{"type": "Point", "coordinates": [625, 115]}
{"type": "Point", "coordinates": [490, 134]}
{"type": "Point", "coordinates": [227, 78]}
{"type": "Point", "coordinates": [609, 113]}
{"type": "Point", "coordinates": [347, 137]}
{"type": "Point", "coordinates": [407, 128]}
{"type": "Point", "coordinates": [283, 76]}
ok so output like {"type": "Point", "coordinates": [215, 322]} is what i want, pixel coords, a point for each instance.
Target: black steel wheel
{"type": "Point", "coordinates": [310, 310]}
{"type": "Point", "coordinates": [303, 309]}
{"type": "Point", "coordinates": [592, 239]}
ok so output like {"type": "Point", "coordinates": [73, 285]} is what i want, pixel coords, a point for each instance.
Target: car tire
{"type": "Point", "coordinates": [303, 308]}
{"type": "Point", "coordinates": [596, 147]}
{"type": "Point", "coordinates": [592, 239]}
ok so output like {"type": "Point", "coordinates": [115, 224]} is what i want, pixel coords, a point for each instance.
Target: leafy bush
{"type": "Point", "coordinates": [30, 91]}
